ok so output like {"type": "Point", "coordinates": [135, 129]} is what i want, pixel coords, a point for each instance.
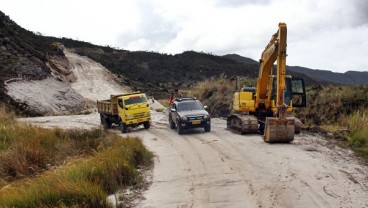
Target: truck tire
{"type": "Point", "coordinates": [171, 123]}
{"type": "Point", "coordinates": [108, 123]}
{"type": "Point", "coordinates": [146, 125]}
{"type": "Point", "coordinates": [207, 128]}
{"type": "Point", "coordinates": [103, 122]}
{"type": "Point", "coordinates": [123, 128]}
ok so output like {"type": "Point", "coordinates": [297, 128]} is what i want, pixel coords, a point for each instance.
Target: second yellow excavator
{"type": "Point", "coordinates": [267, 107]}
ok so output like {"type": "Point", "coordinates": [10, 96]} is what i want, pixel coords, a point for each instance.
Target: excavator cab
{"type": "Point", "coordinates": [298, 93]}
{"type": "Point", "coordinates": [294, 95]}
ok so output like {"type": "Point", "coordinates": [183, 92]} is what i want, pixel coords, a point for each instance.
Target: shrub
{"type": "Point", "coordinates": [357, 124]}
{"type": "Point", "coordinates": [217, 93]}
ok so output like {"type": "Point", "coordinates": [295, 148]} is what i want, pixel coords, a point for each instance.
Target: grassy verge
{"type": "Point", "coordinates": [59, 168]}
{"type": "Point", "coordinates": [357, 137]}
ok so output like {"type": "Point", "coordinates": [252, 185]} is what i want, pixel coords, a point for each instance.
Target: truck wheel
{"type": "Point", "coordinates": [123, 128]}
{"type": "Point", "coordinates": [207, 128]}
{"type": "Point", "coordinates": [103, 121]}
{"type": "Point", "coordinates": [171, 123]}
{"type": "Point", "coordinates": [179, 128]}
{"type": "Point", "coordinates": [108, 123]}
{"type": "Point", "coordinates": [146, 124]}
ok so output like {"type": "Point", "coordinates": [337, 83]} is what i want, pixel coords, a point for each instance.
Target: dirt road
{"type": "Point", "coordinates": [224, 169]}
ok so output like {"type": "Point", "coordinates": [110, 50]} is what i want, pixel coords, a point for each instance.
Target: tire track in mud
{"type": "Point", "coordinates": [274, 190]}
{"type": "Point", "coordinates": [197, 186]}
{"type": "Point", "coordinates": [203, 186]}
{"type": "Point", "coordinates": [225, 156]}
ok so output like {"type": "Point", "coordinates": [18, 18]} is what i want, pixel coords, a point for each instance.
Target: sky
{"type": "Point", "coordinates": [322, 34]}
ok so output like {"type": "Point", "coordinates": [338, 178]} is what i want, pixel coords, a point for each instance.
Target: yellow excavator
{"type": "Point", "coordinates": [266, 108]}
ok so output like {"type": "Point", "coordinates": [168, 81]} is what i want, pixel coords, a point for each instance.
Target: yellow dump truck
{"type": "Point", "coordinates": [125, 110]}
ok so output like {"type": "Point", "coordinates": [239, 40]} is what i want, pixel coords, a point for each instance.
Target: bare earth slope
{"type": "Point", "coordinates": [225, 169]}
{"type": "Point", "coordinates": [53, 96]}
{"type": "Point", "coordinates": [93, 81]}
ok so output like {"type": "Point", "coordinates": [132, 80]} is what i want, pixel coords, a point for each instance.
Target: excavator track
{"type": "Point", "coordinates": [243, 123]}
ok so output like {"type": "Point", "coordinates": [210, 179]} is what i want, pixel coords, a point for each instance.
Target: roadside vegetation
{"type": "Point", "coordinates": [340, 110]}
{"type": "Point", "coordinates": [217, 93]}
{"type": "Point", "coordinates": [65, 168]}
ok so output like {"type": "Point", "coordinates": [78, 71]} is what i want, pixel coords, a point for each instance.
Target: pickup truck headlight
{"type": "Point", "coordinates": [206, 116]}
{"type": "Point", "coordinates": [183, 118]}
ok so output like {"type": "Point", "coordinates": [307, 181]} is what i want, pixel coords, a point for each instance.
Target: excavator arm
{"type": "Point", "coordinates": [282, 127]}
{"type": "Point", "coordinates": [275, 50]}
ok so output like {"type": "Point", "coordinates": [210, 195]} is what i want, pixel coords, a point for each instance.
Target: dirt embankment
{"type": "Point", "coordinates": [225, 169]}
{"type": "Point", "coordinates": [75, 83]}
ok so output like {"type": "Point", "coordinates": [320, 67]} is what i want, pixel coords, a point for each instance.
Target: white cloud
{"type": "Point", "coordinates": [328, 34]}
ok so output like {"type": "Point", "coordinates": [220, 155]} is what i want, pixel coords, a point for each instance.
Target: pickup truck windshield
{"type": "Point", "coordinates": [188, 106]}
{"type": "Point", "coordinates": [134, 100]}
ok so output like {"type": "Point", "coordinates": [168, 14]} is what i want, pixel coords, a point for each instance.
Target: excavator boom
{"type": "Point", "coordinates": [280, 128]}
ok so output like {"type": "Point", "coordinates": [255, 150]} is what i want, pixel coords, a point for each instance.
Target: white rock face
{"type": "Point", "coordinates": [47, 96]}
{"type": "Point", "coordinates": [76, 81]}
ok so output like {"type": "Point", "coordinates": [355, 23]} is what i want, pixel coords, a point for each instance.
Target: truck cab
{"type": "Point", "coordinates": [126, 110]}
{"type": "Point", "coordinates": [134, 110]}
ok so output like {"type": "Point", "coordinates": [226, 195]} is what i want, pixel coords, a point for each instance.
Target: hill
{"type": "Point", "coordinates": [27, 56]}
{"type": "Point", "coordinates": [348, 78]}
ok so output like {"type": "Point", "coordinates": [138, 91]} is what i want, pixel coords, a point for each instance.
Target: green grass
{"type": "Point", "coordinates": [357, 139]}
{"type": "Point", "coordinates": [84, 182]}
{"type": "Point", "coordinates": [65, 168]}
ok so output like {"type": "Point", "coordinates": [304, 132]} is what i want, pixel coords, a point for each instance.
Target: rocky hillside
{"type": "Point", "coordinates": [33, 65]}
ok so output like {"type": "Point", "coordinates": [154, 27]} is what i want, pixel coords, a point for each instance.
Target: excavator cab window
{"type": "Point", "coordinates": [298, 92]}
{"type": "Point", "coordinates": [287, 92]}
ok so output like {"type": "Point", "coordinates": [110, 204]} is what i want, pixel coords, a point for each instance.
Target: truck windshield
{"type": "Point", "coordinates": [134, 100]}
{"type": "Point", "coordinates": [188, 106]}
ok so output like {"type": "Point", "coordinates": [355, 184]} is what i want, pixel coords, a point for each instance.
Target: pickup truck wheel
{"type": "Point", "coordinates": [171, 123]}
{"type": "Point", "coordinates": [123, 128]}
{"type": "Point", "coordinates": [207, 128]}
{"type": "Point", "coordinates": [179, 128]}
{"type": "Point", "coordinates": [146, 124]}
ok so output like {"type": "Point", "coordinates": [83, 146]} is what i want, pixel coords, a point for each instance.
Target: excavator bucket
{"type": "Point", "coordinates": [279, 130]}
